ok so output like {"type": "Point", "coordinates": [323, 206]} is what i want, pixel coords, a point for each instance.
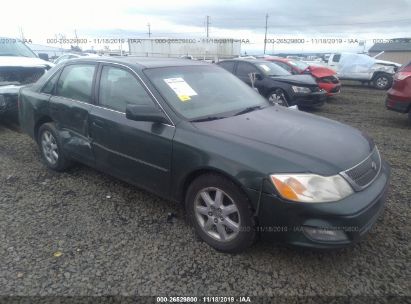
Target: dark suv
{"type": "Point", "coordinates": [192, 132]}
{"type": "Point", "coordinates": [277, 84]}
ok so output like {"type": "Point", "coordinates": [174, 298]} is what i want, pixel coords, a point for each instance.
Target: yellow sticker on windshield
{"type": "Point", "coordinates": [184, 98]}
{"type": "Point", "coordinates": [181, 88]}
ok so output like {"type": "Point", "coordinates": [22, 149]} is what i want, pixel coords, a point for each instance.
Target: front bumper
{"type": "Point", "coordinates": [330, 88]}
{"type": "Point", "coordinates": [311, 100]}
{"type": "Point", "coordinates": [398, 105]}
{"type": "Point", "coordinates": [8, 101]}
{"type": "Point", "coordinates": [350, 219]}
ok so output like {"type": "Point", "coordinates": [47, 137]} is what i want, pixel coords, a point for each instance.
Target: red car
{"type": "Point", "coordinates": [325, 77]}
{"type": "Point", "coordinates": [399, 96]}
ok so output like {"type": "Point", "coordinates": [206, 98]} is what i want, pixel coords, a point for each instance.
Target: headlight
{"type": "Point", "coordinates": [301, 89]}
{"type": "Point", "coordinates": [311, 188]}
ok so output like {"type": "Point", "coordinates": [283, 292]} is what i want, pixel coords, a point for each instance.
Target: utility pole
{"type": "Point", "coordinates": [207, 24]}
{"type": "Point", "coordinates": [149, 30]}
{"type": "Point", "coordinates": [21, 34]}
{"type": "Point", "coordinates": [75, 35]}
{"type": "Point", "coordinates": [265, 36]}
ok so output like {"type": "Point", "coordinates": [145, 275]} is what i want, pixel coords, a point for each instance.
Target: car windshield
{"type": "Point", "coordinates": [299, 64]}
{"type": "Point", "coordinates": [14, 47]}
{"type": "Point", "coordinates": [272, 69]}
{"type": "Point", "coordinates": [204, 91]}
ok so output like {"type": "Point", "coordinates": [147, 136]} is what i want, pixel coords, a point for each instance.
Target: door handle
{"type": "Point", "coordinates": [98, 124]}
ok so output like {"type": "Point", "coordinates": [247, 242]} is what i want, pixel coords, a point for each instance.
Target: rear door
{"type": "Point", "coordinates": [70, 108]}
{"type": "Point", "coordinates": [227, 65]}
{"type": "Point", "coordinates": [136, 151]}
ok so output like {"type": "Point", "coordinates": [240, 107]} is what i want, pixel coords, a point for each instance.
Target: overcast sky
{"type": "Point", "coordinates": [352, 19]}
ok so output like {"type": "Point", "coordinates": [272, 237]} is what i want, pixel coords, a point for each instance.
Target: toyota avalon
{"type": "Point", "coordinates": [194, 133]}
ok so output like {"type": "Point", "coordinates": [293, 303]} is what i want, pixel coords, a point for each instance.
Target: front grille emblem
{"type": "Point", "coordinates": [374, 166]}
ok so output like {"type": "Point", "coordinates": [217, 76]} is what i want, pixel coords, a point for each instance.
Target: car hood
{"type": "Point", "coordinates": [29, 62]}
{"type": "Point", "coordinates": [309, 142]}
{"type": "Point", "coordinates": [320, 72]}
{"type": "Point", "coordinates": [296, 79]}
{"type": "Point", "coordinates": [385, 62]}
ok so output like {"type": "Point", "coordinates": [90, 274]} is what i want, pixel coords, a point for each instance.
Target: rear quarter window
{"type": "Point", "coordinates": [227, 65]}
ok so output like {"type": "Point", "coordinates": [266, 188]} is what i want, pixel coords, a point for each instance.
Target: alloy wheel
{"type": "Point", "coordinates": [217, 214]}
{"type": "Point", "coordinates": [278, 97]}
{"type": "Point", "coordinates": [381, 82]}
{"type": "Point", "coordinates": [49, 147]}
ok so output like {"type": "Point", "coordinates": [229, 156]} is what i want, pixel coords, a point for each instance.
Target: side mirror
{"type": "Point", "coordinates": [258, 76]}
{"type": "Point", "coordinates": [44, 56]}
{"type": "Point", "coordinates": [145, 113]}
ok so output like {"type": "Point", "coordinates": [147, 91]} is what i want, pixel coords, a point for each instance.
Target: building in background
{"type": "Point", "coordinates": [397, 50]}
{"type": "Point", "coordinates": [197, 48]}
{"type": "Point", "coordinates": [52, 52]}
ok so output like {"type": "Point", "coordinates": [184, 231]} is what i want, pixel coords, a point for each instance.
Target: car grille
{"type": "Point", "coordinates": [329, 79]}
{"type": "Point", "coordinates": [363, 174]}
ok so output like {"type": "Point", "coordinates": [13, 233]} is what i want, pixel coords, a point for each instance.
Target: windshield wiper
{"type": "Point", "coordinates": [209, 118]}
{"type": "Point", "coordinates": [249, 109]}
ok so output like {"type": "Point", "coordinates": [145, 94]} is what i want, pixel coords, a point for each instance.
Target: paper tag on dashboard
{"type": "Point", "coordinates": [266, 68]}
{"type": "Point", "coordinates": [181, 88]}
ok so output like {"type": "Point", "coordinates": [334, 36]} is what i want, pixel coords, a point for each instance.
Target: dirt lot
{"type": "Point", "coordinates": [85, 233]}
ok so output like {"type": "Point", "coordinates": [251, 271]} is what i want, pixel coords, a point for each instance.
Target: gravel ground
{"type": "Point", "coordinates": [85, 233]}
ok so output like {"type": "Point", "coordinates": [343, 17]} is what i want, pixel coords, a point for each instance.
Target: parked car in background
{"type": "Point", "coordinates": [192, 132]}
{"type": "Point", "coordinates": [325, 77]}
{"type": "Point", "coordinates": [399, 96]}
{"type": "Point", "coordinates": [19, 66]}
{"type": "Point", "coordinates": [277, 84]}
{"type": "Point", "coordinates": [363, 68]}
{"type": "Point", "coordinates": [69, 56]}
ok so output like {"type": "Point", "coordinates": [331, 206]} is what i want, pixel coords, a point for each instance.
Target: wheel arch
{"type": "Point", "coordinates": [41, 121]}
{"type": "Point", "coordinates": [190, 177]}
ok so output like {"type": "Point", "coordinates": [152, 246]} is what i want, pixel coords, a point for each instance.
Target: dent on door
{"type": "Point", "coordinates": [72, 124]}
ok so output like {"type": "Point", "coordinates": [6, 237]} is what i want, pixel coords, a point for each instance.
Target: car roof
{"type": "Point", "coordinates": [143, 62]}
{"type": "Point", "coordinates": [246, 60]}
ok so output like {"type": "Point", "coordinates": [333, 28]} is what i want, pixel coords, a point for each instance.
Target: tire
{"type": "Point", "coordinates": [51, 148]}
{"type": "Point", "coordinates": [232, 230]}
{"type": "Point", "coordinates": [382, 81]}
{"type": "Point", "coordinates": [278, 96]}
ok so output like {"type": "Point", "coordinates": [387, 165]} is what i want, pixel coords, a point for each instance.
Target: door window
{"type": "Point", "coordinates": [243, 69]}
{"type": "Point", "coordinates": [76, 82]}
{"type": "Point", "coordinates": [118, 88]}
{"type": "Point", "coordinates": [51, 83]}
{"type": "Point", "coordinates": [227, 65]}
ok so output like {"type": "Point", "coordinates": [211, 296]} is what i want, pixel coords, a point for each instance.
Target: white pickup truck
{"type": "Point", "coordinates": [19, 66]}
{"type": "Point", "coordinates": [363, 68]}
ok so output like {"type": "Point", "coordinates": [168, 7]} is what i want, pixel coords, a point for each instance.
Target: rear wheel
{"type": "Point", "coordinates": [50, 147]}
{"type": "Point", "coordinates": [220, 213]}
{"type": "Point", "coordinates": [382, 81]}
{"type": "Point", "coordinates": [278, 96]}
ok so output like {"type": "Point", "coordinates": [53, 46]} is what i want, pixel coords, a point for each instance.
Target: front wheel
{"type": "Point", "coordinates": [278, 96]}
{"type": "Point", "coordinates": [382, 81]}
{"type": "Point", "coordinates": [220, 213]}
